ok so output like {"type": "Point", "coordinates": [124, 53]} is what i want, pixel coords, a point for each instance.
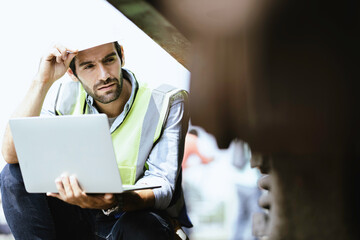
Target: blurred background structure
{"type": "Point", "coordinates": [282, 75]}
{"type": "Point", "coordinates": [152, 46]}
{"type": "Point", "coordinates": [220, 188]}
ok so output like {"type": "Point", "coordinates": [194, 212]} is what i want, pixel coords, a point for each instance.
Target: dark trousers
{"type": "Point", "coordinates": [36, 216]}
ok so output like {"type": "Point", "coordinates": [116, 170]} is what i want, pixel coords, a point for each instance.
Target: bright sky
{"type": "Point", "coordinates": [28, 28]}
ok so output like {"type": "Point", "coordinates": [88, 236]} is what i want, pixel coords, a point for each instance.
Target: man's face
{"type": "Point", "coordinates": [99, 71]}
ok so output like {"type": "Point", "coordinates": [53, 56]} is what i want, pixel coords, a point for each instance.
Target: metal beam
{"type": "Point", "coordinates": [148, 19]}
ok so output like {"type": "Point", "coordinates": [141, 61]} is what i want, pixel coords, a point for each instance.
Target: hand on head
{"type": "Point", "coordinates": [55, 63]}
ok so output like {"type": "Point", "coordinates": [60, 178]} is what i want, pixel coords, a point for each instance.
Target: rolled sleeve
{"type": "Point", "coordinates": [166, 157]}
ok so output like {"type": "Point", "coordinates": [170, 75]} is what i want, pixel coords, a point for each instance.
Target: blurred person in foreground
{"type": "Point", "coordinates": [101, 85]}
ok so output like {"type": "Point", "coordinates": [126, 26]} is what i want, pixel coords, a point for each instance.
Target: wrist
{"type": "Point", "coordinates": [110, 211]}
{"type": "Point", "coordinates": [116, 208]}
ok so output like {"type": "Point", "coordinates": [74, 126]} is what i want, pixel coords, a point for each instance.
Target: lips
{"type": "Point", "coordinates": [105, 87]}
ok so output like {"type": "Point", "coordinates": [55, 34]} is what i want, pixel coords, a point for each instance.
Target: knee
{"type": "Point", "coordinates": [11, 177]}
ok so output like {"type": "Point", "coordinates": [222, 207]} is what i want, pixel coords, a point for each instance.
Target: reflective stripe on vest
{"type": "Point", "coordinates": [73, 106]}
{"type": "Point", "coordinates": [141, 128]}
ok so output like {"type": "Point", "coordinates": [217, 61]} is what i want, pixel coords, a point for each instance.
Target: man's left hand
{"type": "Point", "coordinates": [71, 192]}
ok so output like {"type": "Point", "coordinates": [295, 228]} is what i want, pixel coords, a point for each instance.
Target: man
{"type": "Point", "coordinates": [102, 86]}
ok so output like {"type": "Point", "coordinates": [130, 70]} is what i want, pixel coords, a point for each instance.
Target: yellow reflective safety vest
{"type": "Point", "coordinates": [135, 137]}
{"type": "Point", "coordinates": [141, 128]}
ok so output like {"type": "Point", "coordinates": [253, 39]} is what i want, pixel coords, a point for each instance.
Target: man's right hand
{"type": "Point", "coordinates": [54, 64]}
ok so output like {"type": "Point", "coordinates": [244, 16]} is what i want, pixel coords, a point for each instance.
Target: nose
{"type": "Point", "coordinates": [103, 73]}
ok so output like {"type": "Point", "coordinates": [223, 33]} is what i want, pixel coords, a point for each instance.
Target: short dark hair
{"type": "Point", "coordinates": [118, 50]}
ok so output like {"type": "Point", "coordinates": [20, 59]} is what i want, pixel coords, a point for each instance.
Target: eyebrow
{"type": "Point", "coordinates": [88, 62]}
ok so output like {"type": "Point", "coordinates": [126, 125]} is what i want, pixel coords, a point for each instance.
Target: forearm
{"type": "Point", "coordinates": [29, 107]}
{"type": "Point", "coordinates": [137, 200]}
{"type": "Point", "coordinates": [53, 66]}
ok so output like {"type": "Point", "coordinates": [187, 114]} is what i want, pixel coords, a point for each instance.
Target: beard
{"type": "Point", "coordinates": [108, 96]}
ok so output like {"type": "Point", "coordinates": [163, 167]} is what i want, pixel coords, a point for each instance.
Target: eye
{"type": "Point", "coordinates": [109, 60]}
{"type": "Point", "coordinates": [89, 66]}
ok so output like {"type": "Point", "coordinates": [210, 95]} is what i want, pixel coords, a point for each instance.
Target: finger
{"type": "Point", "coordinates": [62, 51]}
{"type": "Point", "coordinates": [76, 187]}
{"type": "Point", "coordinates": [56, 195]}
{"type": "Point", "coordinates": [67, 187]}
{"type": "Point", "coordinates": [57, 53]}
{"type": "Point", "coordinates": [72, 51]}
{"type": "Point", "coordinates": [108, 196]}
{"type": "Point", "coordinates": [59, 58]}
{"type": "Point", "coordinates": [70, 55]}
{"type": "Point", "coordinates": [60, 187]}
{"type": "Point", "coordinates": [53, 54]}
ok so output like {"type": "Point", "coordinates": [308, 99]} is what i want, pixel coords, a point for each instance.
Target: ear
{"type": "Point", "coordinates": [122, 56]}
{"type": "Point", "coordinates": [72, 76]}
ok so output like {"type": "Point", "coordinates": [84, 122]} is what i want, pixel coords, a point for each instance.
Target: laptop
{"type": "Point", "coordinates": [81, 145]}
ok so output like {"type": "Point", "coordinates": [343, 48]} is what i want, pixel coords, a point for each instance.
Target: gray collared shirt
{"type": "Point", "coordinates": [165, 159]}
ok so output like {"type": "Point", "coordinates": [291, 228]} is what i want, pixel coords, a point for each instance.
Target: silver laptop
{"type": "Point", "coordinates": [48, 147]}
